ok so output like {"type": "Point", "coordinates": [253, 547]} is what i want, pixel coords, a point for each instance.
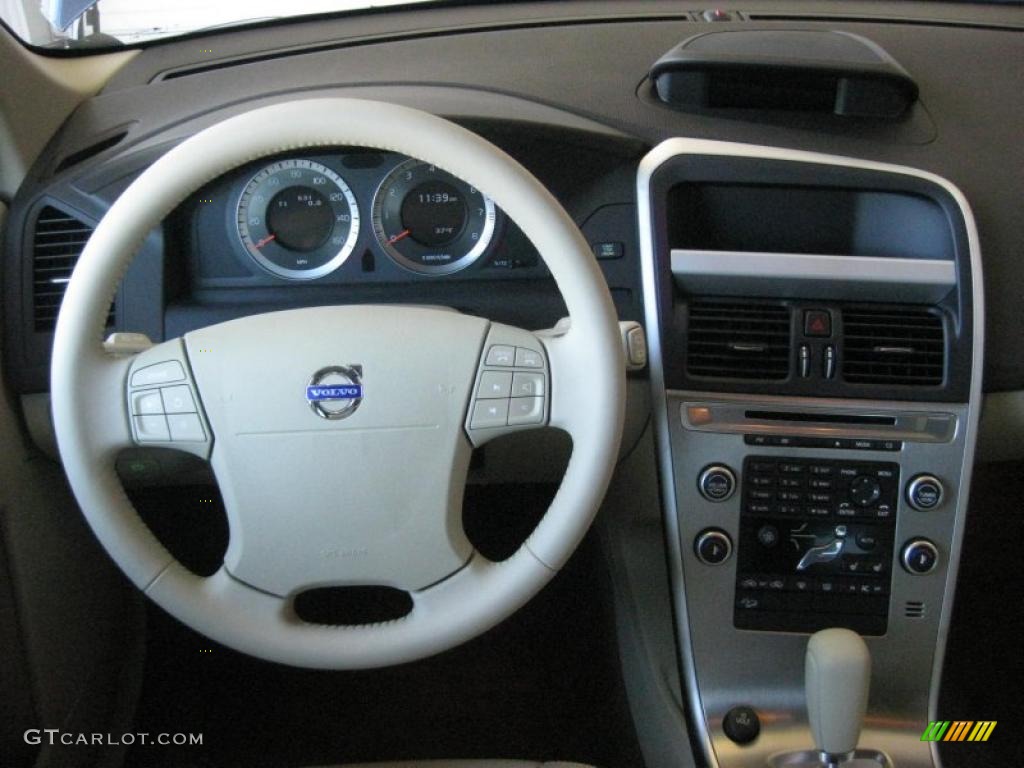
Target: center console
{"type": "Point", "coordinates": [815, 339]}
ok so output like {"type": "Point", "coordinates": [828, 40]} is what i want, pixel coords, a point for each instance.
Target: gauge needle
{"type": "Point", "coordinates": [266, 240]}
{"type": "Point", "coordinates": [395, 238]}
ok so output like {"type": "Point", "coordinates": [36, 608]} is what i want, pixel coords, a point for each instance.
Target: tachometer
{"type": "Point", "coordinates": [298, 219]}
{"type": "Point", "coordinates": [429, 221]}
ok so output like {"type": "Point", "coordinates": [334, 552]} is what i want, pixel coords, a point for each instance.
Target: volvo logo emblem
{"type": "Point", "coordinates": [335, 392]}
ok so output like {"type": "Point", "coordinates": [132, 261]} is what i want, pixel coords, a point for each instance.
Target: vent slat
{"type": "Point", "coordinates": [58, 242]}
{"type": "Point", "coordinates": [893, 346]}
{"type": "Point", "coordinates": [719, 331]}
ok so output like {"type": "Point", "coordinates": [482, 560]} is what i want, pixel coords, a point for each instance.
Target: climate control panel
{"type": "Point", "coordinates": [815, 544]}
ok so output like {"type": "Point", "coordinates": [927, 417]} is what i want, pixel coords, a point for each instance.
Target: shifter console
{"type": "Point", "coordinates": [815, 544]}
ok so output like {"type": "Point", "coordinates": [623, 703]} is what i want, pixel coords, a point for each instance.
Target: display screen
{"type": "Point", "coordinates": [813, 220]}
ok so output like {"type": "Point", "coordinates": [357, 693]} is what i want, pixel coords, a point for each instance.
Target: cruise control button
{"type": "Point", "coordinates": [495, 384]}
{"type": "Point", "coordinates": [161, 373]}
{"type": "Point", "coordinates": [144, 403]}
{"type": "Point", "coordinates": [152, 429]}
{"type": "Point", "coordinates": [489, 413]}
{"type": "Point", "coordinates": [501, 355]}
{"type": "Point", "coordinates": [525, 410]}
{"type": "Point", "coordinates": [178, 399]}
{"type": "Point", "coordinates": [528, 358]}
{"type": "Point", "coordinates": [528, 385]}
{"type": "Point", "coordinates": [185, 428]}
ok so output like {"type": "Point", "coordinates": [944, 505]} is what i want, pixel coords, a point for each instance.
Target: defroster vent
{"type": "Point", "coordinates": [893, 346]}
{"type": "Point", "coordinates": [57, 244]}
{"type": "Point", "coordinates": [731, 340]}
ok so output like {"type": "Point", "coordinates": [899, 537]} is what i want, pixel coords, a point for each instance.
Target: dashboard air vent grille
{"type": "Point", "coordinates": [893, 346]}
{"type": "Point", "coordinates": [58, 242]}
{"type": "Point", "coordinates": [738, 341]}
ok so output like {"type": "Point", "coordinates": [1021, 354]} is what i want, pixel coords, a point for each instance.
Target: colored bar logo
{"type": "Point", "coordinates": [959, 730]}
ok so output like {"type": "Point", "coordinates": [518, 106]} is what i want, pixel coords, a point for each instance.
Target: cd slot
{"type": "Point", "coordinates": [822, 418]}
{"type": "Point", "coordinates": [837, 425]}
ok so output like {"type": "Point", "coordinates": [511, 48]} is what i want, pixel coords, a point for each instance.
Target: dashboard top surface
{"type": "Point", "coordinates": [543, 78]}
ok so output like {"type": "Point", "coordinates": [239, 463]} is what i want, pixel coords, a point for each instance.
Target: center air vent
{"type": "Point", "coordinates": [59, 240]}
{"type": "Point", "coordinates": [893, 346]}
{"type": "Point", "coordinates": [738, 341]}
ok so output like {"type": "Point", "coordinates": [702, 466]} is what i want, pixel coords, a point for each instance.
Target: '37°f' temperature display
{"type": "Point", "coordinates": [429, 221]}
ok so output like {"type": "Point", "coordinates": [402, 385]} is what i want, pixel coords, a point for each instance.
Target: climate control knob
{"type": "Point", "coordinates": [712, 546]}
{"type": "Point", "coordinates": [919, 557]}
{"type": "Point", "coordinates": [925, 492]}
{"type": "Point", "coordinates": [716, 482]}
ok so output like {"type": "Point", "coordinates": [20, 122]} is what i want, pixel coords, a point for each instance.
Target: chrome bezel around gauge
{"type": "Point", "coordinates": [253, 229]}
{"type": "Point", "coordinates": [463, 250]}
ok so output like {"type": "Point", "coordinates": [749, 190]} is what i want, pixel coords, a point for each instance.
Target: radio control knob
{"type": "Point", "coordinates": [716, 482]}
{"type": "Point", "coordinates": [919, 557]}
{"type": "Point", "coordinates": [865, 491]}
{"type": "Point", "coordinates": [712, 546]}
{"type": "Point", "coordinates": [925, 492]}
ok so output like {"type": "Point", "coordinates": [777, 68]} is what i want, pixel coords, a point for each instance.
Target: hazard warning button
{"type": "Point", "coordinates": [817, 322]}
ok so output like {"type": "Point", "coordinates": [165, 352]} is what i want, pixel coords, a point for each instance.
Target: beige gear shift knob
{"type": "Point", "coordinates": [837, 673]}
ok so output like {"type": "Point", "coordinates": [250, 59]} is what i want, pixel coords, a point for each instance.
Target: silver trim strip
{"type": "Point", "coordinates": [646, 170]}
{"type": "Point", "coordinates": [811, 275]}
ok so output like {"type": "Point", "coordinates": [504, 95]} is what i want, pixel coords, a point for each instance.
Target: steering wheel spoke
{"type": "Point", "coordinates": [512, 390]}
{"type": "Point", "coordinates": [164, 404]}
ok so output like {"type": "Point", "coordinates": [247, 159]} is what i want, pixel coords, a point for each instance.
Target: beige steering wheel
{"type": "Point", "coordinates": [373, 498]}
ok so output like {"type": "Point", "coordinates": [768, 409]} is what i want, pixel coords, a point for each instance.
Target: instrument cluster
{"type": "Point", "coordinates": [306, 217]}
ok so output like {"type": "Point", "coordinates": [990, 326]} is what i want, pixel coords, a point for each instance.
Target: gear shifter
{"type": "Point", "coordinates": [837, 673]}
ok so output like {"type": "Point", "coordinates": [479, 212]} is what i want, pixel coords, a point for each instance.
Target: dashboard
{"type": "Point", "coordinates": [828, 293]}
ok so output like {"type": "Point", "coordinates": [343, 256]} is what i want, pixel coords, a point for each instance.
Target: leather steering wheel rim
{"type": "Point", "coordinates": [93, 422]}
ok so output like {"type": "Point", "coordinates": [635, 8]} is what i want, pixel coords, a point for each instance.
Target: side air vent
{"type": "Point", "coordinates": [894, 346]}
{"type": "Point", "coordinates": [738, 341]}
{"type": "Point", "coordinates": [57, 244]}
{"type": "Point", "coordinates": [913, 609]}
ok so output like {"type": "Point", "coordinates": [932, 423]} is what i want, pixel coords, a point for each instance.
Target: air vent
{"type": "Point", "coordinates": [894, 346]}
{"type": "Point", "coordinates": [738, 341]}
{"type": "Point", "coordinates": [59, 240]}
{"type": "Point", "coordinates": [913, 609]}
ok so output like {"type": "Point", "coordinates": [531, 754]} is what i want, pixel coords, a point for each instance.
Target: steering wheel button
{"type": "Point", "coordinates": [489, 413]}
{"type": "Point", "coordinates": [501, 355]}
{"type": "Point", "coordinates": [178, 400]}
{"type": "Point", "coordinates": [152, 429]}
{"type": "Point", "coordinates": [526, 410]}
{"type": "Point", "coordinates": [144, 403]}
{"type": "Point", "coordinates": [528, 358]}
{"type": "Point", "coordinates": [186, 428]}
{"type": "Point", "coordinates": [495, 384]}
{"type": "Point", "coordinates": [161, 373]}
{"type": "Point", "coordinates": [528, 385]}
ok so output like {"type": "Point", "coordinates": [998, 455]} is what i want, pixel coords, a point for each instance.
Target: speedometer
{"type": "Point", "coordinates": [429, 221]}
{"type": "Point", "coordinates": [298, 219]}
